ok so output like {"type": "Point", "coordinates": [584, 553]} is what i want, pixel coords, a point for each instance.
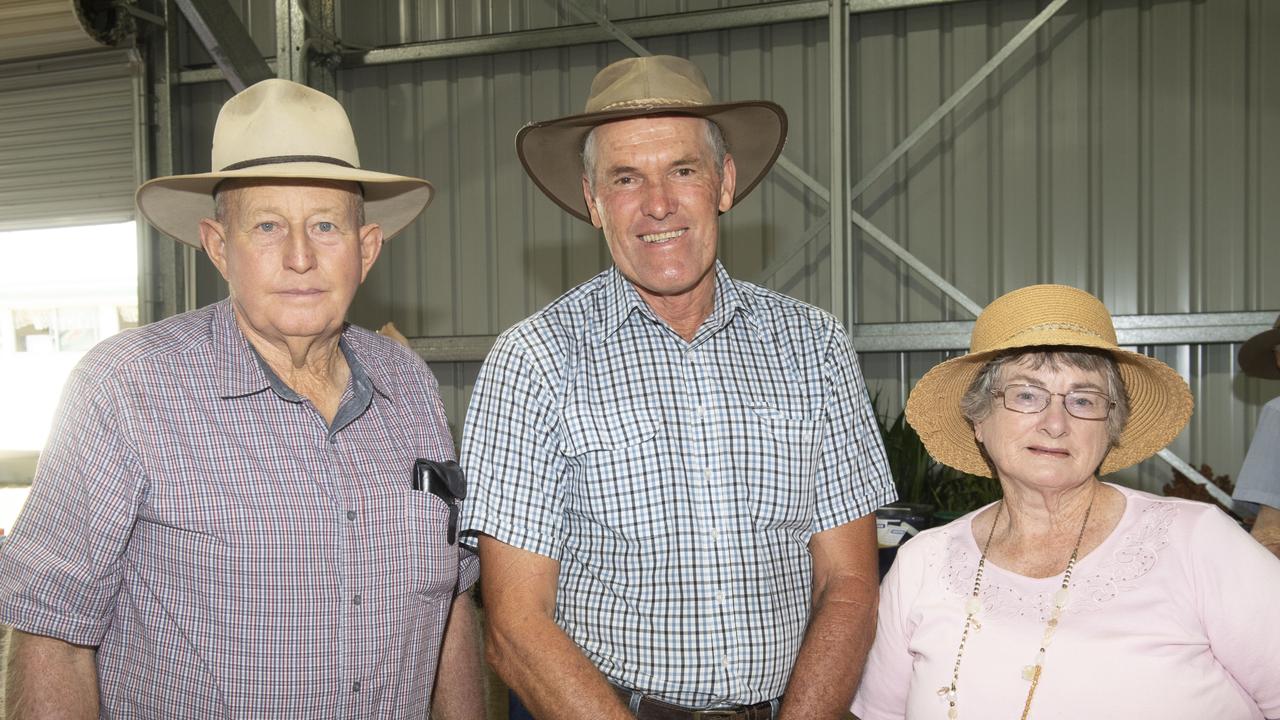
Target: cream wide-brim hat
{"type": "Point", "coordinates": [284, 130]}
{"type": "Point", "coordinates": [551, 151]}
{"type": "Point", "coordinates": [1060, 317]}
{"type": "Point", "coordinates": [1257, 356]}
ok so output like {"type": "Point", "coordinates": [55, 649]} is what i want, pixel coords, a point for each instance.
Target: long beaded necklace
{"type": "Point", "coordinates": [1030, 673]}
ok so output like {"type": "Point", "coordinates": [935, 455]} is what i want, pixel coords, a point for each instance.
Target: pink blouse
{"type": "Point", "coordinates": [1175, 616]}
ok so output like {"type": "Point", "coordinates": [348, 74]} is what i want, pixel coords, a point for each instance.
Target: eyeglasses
{"type": "Point", "coordinates": [1031, 399]}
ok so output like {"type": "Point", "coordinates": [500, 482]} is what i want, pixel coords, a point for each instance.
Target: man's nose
{"type": "Point", "coordinates": [300, 256]}
{"type": "Point", "coordinates": [659, 201]}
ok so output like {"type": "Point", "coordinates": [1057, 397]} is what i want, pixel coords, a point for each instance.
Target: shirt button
{"type": "Point", "coordinates": [725, 661]}
{"type": "Point", "coordinates": [351, 515]}
{"type": "Point", "coordinates": [715, 534]}
{"type": "Point", "coordinates": [356, 600]}
{"type": "Point", "coordinates": [720, 596]}
{"type": "Point", "coordinates": [355, 686]}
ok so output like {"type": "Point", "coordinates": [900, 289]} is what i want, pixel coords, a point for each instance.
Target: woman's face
{"type": "Point", "coordinates": [1050, 449]}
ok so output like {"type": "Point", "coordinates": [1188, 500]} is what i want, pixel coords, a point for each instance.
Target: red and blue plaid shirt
{"type": "Point", "coordinates": [228, 552]}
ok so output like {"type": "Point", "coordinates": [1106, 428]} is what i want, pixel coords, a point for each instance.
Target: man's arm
{"type": "Point", "coordinates": [526, 647]}
{"type": "Point", "coordinates": [459, 692]}
{"type": "Point", "coordinates": [49, 679]}
{"type": "Point", "coordinates": [841, 624]}
{"type": "Point", "coordinates": [1266, 529]}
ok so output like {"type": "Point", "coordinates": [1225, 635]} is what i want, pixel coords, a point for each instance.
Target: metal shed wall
{"type": "Point", "coordinates": [67, 129]}
{"type": "Point", "coordinates": [1129, 149]}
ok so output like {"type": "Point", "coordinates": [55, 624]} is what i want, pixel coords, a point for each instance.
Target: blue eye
{"type": "Point", "coordinates": [267, 227]}
{"type": "Point", "coordinates": [326, 227]}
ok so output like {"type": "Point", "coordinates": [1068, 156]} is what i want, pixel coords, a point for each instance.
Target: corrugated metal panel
{"type": "Point", "coordinates": [66, 141]}
{"type": "Point", "coordinates": [1129, 149]}
{"type": "Point", "coordinates": [31, 28]}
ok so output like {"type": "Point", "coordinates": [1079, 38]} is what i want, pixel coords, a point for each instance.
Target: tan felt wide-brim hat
{"type": "Point", "coordinates": [1257, 356]}
{"type": "Point", "coordinates": [1160, 402]}
{"type": "Point", "coordinates": [284, 130]}
{"type": "Point", "coordinates": [551, 151]}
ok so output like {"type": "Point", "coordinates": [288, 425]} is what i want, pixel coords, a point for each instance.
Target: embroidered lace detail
{"type": "Point", "coordinates": [1093, 584]}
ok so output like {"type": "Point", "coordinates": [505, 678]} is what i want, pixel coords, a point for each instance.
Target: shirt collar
{"type": "Point", "coordinates": [621, 300]}
{"type": "Point", "coordinates": [244, 372]}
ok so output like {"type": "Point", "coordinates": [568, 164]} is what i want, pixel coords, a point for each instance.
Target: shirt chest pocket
{"type": "Point", "coordinates": [785, 461]}
{"type": "Point", "coordinates": [616, 462]}
{"type": "Point", "coordinates": [433, 562]}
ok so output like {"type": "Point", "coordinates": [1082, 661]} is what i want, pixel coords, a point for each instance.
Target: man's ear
{"type": "Point", "coordinates": [591, 203]}
{"type": "Point", "coordinates": [728, 183]}
{"type": "Point", "coordinates": [370, 247]}
{"type": "Point", "coordinates": [213, 237]}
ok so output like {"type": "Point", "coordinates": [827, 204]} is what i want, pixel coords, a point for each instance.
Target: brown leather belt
{"type": "Point", "coordinates": [652, 708]}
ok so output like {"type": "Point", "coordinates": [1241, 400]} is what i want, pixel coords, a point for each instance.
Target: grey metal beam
{"type": "Point", "coordinates": [1131, 330]}
{"type": "Point", "coordinates": [839, 198]}
{"type": "Point", "coordinates": [227, 41]}
{"type": "Point", "coordinates": [658, 25]}
{"type": "Point", "coordinates": [291, 41]}
{"type": "Point", "coordinates": [456, 348]}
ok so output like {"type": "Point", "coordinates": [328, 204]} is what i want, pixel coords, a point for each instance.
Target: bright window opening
{"type": "Point", "coordinates": [62, 290]}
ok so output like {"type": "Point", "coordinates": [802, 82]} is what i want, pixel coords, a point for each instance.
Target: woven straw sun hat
{"type": "Point", "coordinates": [551, 151]}
{"type": "Point", "coordinates": [1047, 315]}
{"type": "Point", "coordinates": [1257, 355]}
{"type": "Point", "coordinates": [280, 129]}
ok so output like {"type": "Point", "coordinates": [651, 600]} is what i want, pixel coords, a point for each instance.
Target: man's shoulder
{"type": "Point", "coordinates": [563, 322]}
{"type": "Point", "coordinates": [387, 359]}
{"type": "Point", "coordinates": [165, 342]}
{"type": "Point", "coordinates": [783, 313]}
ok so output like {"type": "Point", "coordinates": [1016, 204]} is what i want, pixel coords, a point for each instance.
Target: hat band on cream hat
{"type": "Point", "coordinates": [277, 129]}
{"type": "Point", "coordinates": [551, 151]}
{"type": "Point", "coordinates": [1048, 317]}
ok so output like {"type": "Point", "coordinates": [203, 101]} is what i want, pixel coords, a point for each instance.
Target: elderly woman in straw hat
{"type": "Point", "coordinates": [1070, 597]}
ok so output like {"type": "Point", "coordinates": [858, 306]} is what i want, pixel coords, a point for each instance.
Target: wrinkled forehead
{"type": "Point", "coordinates": [651, 131]}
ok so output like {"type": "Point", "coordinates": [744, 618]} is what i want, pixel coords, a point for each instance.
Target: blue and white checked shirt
{"type": "Point", "coordinates": [677, 483]}
{"type": "Point", "coordinates": [229, 553]}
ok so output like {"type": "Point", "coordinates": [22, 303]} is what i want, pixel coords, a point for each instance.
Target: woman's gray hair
{"type": "Point", "coordinates": [977, 401]}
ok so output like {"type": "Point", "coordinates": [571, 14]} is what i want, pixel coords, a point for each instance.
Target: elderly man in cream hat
{"type": "Point", "coordinates": [1258, 483]}
{"type": "Point", "coordinates": [674, 472]}
{"type": "Point", "coordinates": [244, 511]}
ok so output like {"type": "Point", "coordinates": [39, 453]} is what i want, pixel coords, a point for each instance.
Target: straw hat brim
{"type": "Point", "coordinates": [551, 151]}
{"type": "Point", "coordinates": [176, 204]}
{"type": "Point", "coordinates": [1257, 356]}
{"type": "Point", "coordinates": [1159, 400]}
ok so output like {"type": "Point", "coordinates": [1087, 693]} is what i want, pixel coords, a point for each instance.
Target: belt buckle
{"type": "Point", "coordinates": [724, 714]}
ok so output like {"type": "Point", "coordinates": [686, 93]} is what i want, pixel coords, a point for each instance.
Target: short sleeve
{"type": "Point", "coordinates": [509, 452]}
{"type": "Point", "coordinates": [886, 679]}
{"type": "Point", "coordinates": [1259, 479]}
{"type": "Point", "coordinates": [1237, 585]}
{"type": "Point", "coordinates": [853, 476]}
{"type": "Point", "coordinates": [60, 569]}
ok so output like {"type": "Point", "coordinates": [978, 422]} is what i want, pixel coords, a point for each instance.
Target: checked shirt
{"type": "Point", "coordinates": [677, 483]}
{"type": "Point", "coordinates": [228, 552]}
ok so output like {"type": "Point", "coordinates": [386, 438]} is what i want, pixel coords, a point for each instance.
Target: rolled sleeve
{"type": "Point", "coordinates": [1259, 480]}
{"type": "Point", "coordinates": [853, 476]}
{"type": "Point", "coordinates": [510, 453]}
{"type": "Point", "coordinates": [60, 570]}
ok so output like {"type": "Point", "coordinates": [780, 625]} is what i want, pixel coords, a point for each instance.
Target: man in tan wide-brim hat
{"type": "Point", "coordinates": [674, 473]}
{"type": "Point", "coordinates": [244, 511]}
{"type": "Point", "coordinates": [1259, 480]}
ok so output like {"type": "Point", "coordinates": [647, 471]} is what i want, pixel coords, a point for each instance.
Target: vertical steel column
{"type": "Point", "coordinates": [838, 56]}
{"type": "Point", "coordinates": [324, 67]}
{"type": "Point", "coordinates": [291, 41]}
{"type": "Point", "coordinates": [166, 269]}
